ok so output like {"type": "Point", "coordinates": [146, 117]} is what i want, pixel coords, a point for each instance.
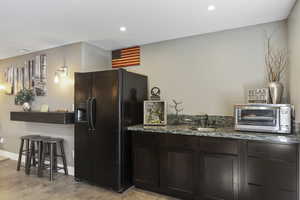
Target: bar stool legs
{"type": "Point", "coordinates": [32, 157]}
{"type": "Point", "coordinates": [27, 159]}
{"type": "Point", "coordinates": [37, 148]}
{"type": "Point", "coordinates": [53, 144]}
{"type": "Point", "coordinates": [63, 155]}
{"type": "Point", "coordinates": [51, 161]}
{"type": "Point", "coordinates": [28, 149]}
{"type": "Point", "coordinates": [55, 157]}
{"type": "Point", "coordinates": [40, 159]}
{"type": "Point", "coordinates": [33, 152]}
{"type": "Point", "coordinates": [20, 155]}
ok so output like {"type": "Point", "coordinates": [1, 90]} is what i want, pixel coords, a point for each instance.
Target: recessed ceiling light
{"type": "Point", "coordinates": [211, 8]}
{"type": "Point", "coordinates": [123, 28]}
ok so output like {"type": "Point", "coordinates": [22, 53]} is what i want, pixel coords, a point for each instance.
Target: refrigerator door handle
{"type": "Point", "coordinates": [92, 113]}
{"type": "Point", "coordinates": [88, 111]}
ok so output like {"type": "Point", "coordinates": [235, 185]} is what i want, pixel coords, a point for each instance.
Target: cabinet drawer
{"type": "Point", "coordinates": [283, 152]}
{"type": "Point", "coordinates": [264, 193]}
{"type": "Point", "coordinates": [216, 145]}
{"type": "Point", "coordinates": [179, 141]}
{"type": "Point", "coordinates": [145, 139]}
{"type": "Point", "coordinates": [275, 174]}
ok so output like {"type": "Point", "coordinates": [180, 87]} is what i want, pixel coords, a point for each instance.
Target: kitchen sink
{"type": "Point", "coordinates": [202, 129]}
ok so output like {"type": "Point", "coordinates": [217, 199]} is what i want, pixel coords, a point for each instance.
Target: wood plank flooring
{"type": "Point", "coordinates": [16, 185]}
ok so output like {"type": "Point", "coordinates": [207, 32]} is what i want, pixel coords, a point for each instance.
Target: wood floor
{"type": "Point", "coordinates": [18, 186]}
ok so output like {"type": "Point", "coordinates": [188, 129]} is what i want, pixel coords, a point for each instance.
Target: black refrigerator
{"type": "Point", "coordinates": [105, 103]}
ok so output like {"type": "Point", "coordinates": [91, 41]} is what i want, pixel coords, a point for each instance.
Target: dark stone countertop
{"type": "Point", "coordinates": [218, 133]}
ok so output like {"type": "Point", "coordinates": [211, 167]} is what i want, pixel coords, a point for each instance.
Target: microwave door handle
{"type": "Point", "coordinates": [258, 108]}
{"type": "Point", "coordinates": [278, 119]}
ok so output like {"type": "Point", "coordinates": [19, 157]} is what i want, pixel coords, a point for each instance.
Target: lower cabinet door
{"type": "Point", "coordinates": [219, 177]}
{"type": "Point", "coordinates": [177, 173]}
{"type": "Point", "coordinates": [146, 167]}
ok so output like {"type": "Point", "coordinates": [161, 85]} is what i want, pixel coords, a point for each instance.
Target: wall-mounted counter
{"type": "Point", "coordinates": [43, 117]}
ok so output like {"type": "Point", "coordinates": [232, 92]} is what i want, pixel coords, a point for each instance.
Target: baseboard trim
{"type": "Point", "coordinates": [14, 156]}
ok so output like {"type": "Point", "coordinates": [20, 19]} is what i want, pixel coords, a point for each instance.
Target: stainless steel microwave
{"type": "Point", "coordinates": [273, 118]}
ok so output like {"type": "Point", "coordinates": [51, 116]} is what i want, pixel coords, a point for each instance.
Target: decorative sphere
{"type": "Point", "coordinates": [26, 107]}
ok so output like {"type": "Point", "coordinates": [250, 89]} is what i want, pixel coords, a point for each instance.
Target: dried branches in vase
{"type": "Point", "coordinates": [276, 61]}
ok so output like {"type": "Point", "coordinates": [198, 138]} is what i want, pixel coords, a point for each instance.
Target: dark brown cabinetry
{"type": "Point", "coordinates": [219, 177]}
{"type": "Point", "coordinates": [178, 165]}
{"type": "Point", "coordinates": [146, 157]}
{"type": "Point", "coordinates": [272, 171]}
{"type": "Point", "coordinates": [205, 168]}
{"type": "Point", "coordinates": [219, 169]}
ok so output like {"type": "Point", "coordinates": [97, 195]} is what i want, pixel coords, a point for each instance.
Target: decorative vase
{"type": "Point", "coordinates": [276, 91]}
{"type": "Point", "coordinates": [26, 107]}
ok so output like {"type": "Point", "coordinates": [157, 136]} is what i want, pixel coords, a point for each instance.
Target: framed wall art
{"type": "Point", "coordinates": [30, 75]}
{"type": "Point", "coordinates": [155, 113]}
{"type": "Point", "coordinates": [126, 57]}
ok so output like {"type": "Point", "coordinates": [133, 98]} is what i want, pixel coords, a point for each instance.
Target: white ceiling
{"type": "Point", "coordinates": [41, 24]}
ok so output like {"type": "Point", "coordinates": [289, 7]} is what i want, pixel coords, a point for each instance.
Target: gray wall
{"type": "Point", "coordinates": [294, 50]}
{"type": "Point", "coordinates": [59, 95]}
{"type": "Point", "coordinates": [212, 72]}
{"type": "Point", "coordinates": [94, 58]}
{"type": "Point", "coordinates": [209, 73]}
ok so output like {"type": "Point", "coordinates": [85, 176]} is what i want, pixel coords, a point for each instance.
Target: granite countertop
{"type": "Point", "coordinates": [218, 133]}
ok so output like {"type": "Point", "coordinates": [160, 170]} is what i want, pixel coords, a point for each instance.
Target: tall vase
{"type": "Point", "coordinates": [276, 91]}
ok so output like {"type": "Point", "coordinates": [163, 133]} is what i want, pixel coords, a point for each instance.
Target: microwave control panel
{"type": "Point", "coordinates": [285, 118]}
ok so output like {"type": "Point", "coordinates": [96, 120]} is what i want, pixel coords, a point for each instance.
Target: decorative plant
{"type": "Point", "coordinates": [24, 95]}
{"type": "Point", "coordinates": [276, 61]}
{"type": "Point", "coordinates": [176, 107]}
{"type": "Point", "coordinates": [177, 111]}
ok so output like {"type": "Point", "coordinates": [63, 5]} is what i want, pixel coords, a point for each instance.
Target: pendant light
{"type": "Point", "coordinates": [61, 73]}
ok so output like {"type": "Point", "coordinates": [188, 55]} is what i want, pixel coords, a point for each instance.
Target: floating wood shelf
{"type": "Point", "coordinates": [43, 117]}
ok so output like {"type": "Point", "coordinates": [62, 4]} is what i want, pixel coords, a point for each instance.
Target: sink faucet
{"type": "Point", "coordinates": [205, 122]}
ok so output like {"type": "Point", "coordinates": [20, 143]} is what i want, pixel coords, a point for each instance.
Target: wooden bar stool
{"type": "Point", "coordinates": [25, 152]}
{"type": "Point", "coordinates": [52, 153]}
{"type": "Point", "coordinates": [35, 155]}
